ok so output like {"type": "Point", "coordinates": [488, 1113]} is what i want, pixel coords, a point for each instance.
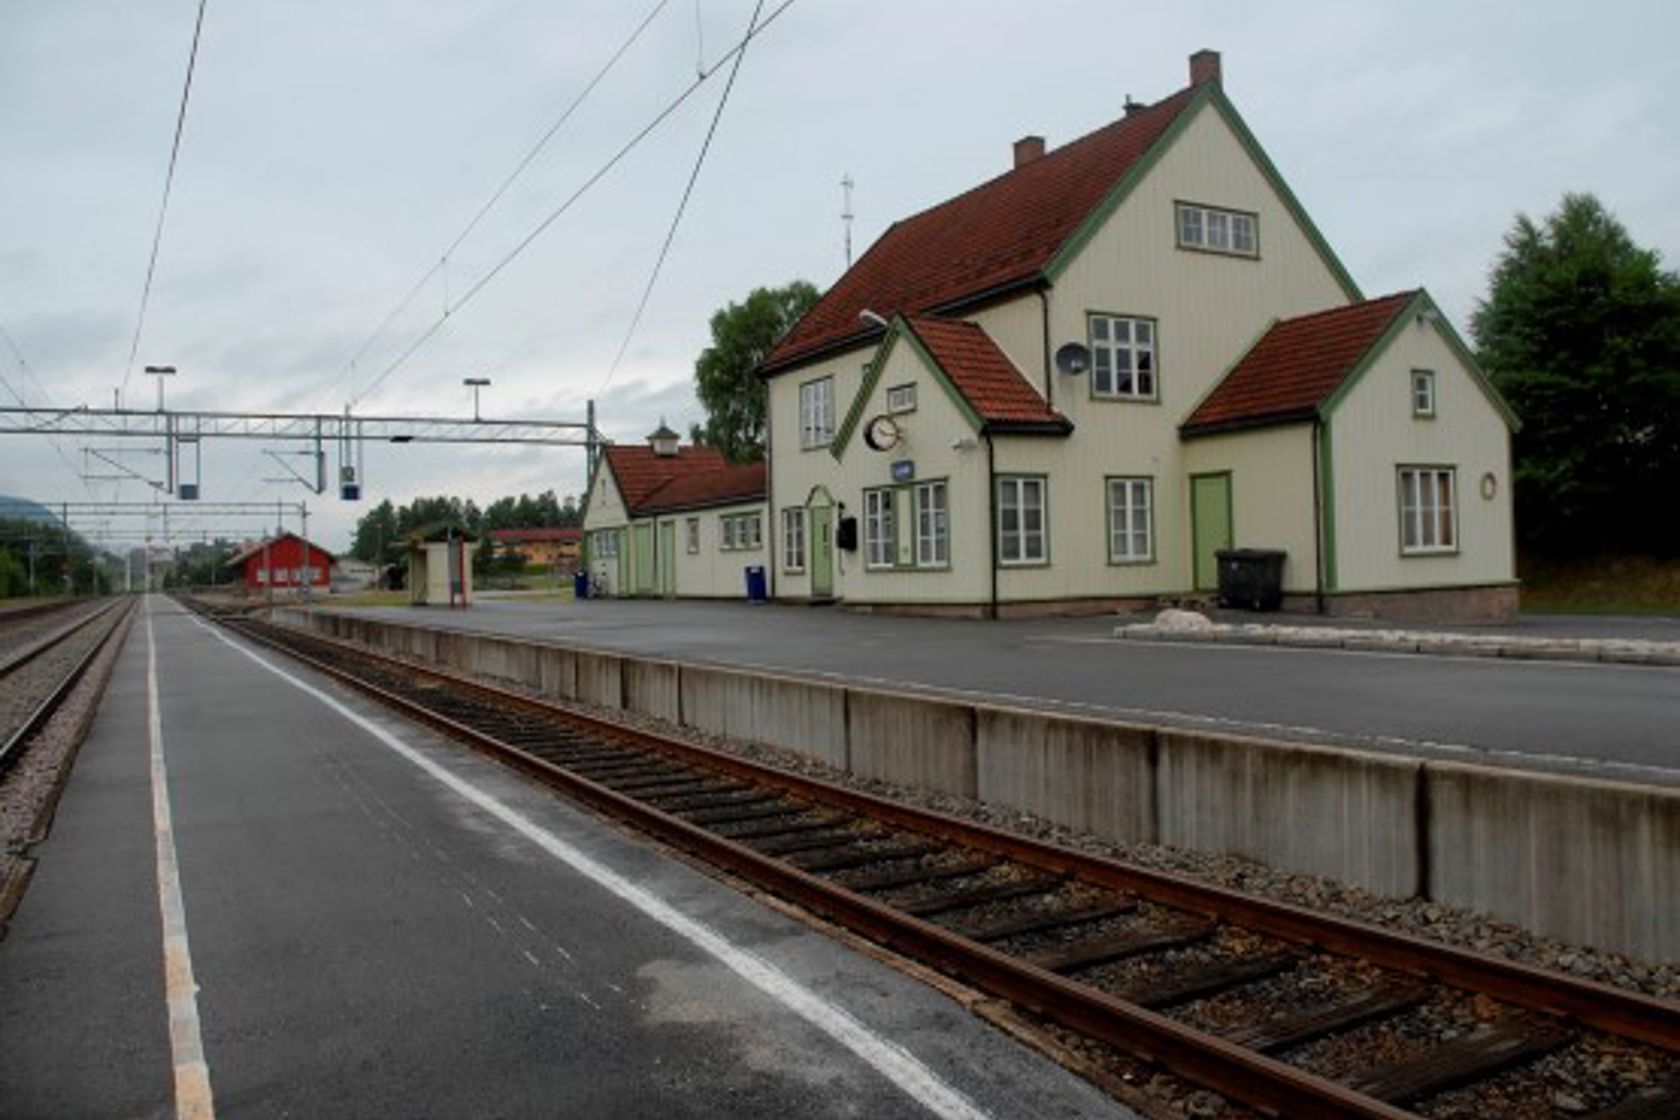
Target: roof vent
{"type": "Point", "coordinates": [1204, 68]}
{"type": "Point", "coordinates": [663, 440]}
{"type": "Point", "coordinates": [1133, 108]}
{"type": "Point", "coordinates": [1027, 149]}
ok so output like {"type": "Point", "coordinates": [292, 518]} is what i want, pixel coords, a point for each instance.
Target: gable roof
{"type": "Point", "coordinates": [1297, 366]}
{"type": "Point", "coordinates": [989, 390]}
{"type": "Point", "coordinates": [1000, 235]}
{"type": "Point", "coordinates": [251, 550]}
{"type": "Point", "coordinates": [693, 478]}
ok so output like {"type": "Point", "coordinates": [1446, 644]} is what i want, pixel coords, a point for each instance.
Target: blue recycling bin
{"type": "Point", "coordinates": [580, 585]}
{"type": "Point", "coordinates": [758, 589]}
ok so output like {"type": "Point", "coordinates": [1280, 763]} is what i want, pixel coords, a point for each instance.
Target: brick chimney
{"type": "Point", "coordinates": [1027, 149]}
{"type": "Point", "coordinates": [1204, 68]}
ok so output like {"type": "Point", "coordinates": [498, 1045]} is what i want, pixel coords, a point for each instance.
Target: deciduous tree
{"type": "Point", "coordinates": [724, 378]}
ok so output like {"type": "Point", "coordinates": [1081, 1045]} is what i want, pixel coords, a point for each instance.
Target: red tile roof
{"type": "Point", "coordinates": [997, 391]}
{"type": "Point", "coordinates": [692, 478]}
{"type": "Point", "coordinates": [1000, 234]}
{"type": "Point", "coordinates": [1296, 366]}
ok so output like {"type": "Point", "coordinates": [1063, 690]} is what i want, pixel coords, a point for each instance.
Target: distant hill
{"type": "Point", "coordinates": [22, 509]}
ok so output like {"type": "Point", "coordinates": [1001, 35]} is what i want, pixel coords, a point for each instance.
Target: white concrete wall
{"type": "Point", "coordinates": [1373, 433]}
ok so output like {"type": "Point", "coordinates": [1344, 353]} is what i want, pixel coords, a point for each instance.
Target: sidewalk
{"type": "Point", "coordinates": [1611, 639]}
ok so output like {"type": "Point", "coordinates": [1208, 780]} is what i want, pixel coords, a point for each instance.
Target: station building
{"type": "Point", "coordinates": [283, 561]}
{"type": "Point", "coordinates": [560, 549]}
{"type": "Point", "coordinates": [1069, 388]}
{"type": "Point", "coordinates": [669, 520]}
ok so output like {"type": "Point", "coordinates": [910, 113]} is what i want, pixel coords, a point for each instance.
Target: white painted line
{"type": "Point", "coordinates": [887, 1058]}
{"type": "Point", "coordinates": [193, 1099]}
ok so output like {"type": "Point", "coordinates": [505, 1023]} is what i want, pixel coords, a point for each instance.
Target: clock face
{"type": "Point", "coordinates": [882, 433]}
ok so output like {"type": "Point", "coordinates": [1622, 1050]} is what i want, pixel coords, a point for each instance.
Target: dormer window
{"type": "Point", "coordinates": [1216, 230]}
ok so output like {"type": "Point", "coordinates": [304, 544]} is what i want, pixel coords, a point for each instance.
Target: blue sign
{"type": "Point", "coordinates": [904, 470]}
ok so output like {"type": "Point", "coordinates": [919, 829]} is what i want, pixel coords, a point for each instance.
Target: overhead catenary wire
{"type": "Point", "coordinates": [554, 215]}
{"type": "Point", "coordinates": [496, 195]}
{"type": "Point", "coordinates": [163, 207]}
{"type": "Point", "coordinates": [29, 375]}
{"type": "Point", "coordinates": [682, 206]}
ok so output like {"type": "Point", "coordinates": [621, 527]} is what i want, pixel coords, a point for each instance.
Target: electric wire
{"type": "Point", "coordinates": [168, 185]}
{"type": "Point", "coordinates": [682, 206]}
{"type": "Point", "coordinates": [496, 196]}
{"type": "Point", "coordinates": [29, 375]}
{"type": "Point", "coordinates": [524, 243]}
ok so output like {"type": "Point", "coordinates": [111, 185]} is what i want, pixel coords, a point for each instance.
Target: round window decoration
{"type": "Point", "coordinates": [1490, 486]}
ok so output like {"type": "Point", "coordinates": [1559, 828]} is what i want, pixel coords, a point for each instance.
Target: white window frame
{"type": "Point", "coordinates": [793, 539]}
{"type": "Point", "coordinates": [1423, 394]}
{"type": "Point", "coordinates": [1131, 520]}
{"type": "Point", "coordinates": [901, 398]}
{"type": "Point", "coordinates": [606, 544]}
{"type": "Point", "coordinates": [1215, 229]}
{"type": "Point", "coordinates": [1021, 500]}
{"type": "Point", "coordinates": [691, 535]}
{"type": "Point", "coordinates": [880, 534]}
{"type": "Point", "coordinates": [742, 532]}
{"type": "Point", "coordinates": [1428, 510]}
{"type": "Point", "coordinates": [932, 511]}
{"type": "Point", "coordinates": [816, 413]}
{"type": "Point", "coordinates": [1131, 341]}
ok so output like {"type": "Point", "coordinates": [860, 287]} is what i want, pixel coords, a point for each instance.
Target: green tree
{"type": "Point", "coordinates": [724, 376]}
{"type": "Point", "coordinates": [1581, 332]}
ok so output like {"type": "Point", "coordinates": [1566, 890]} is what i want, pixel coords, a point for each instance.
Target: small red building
{"type": "Point", "coordinates": [284, 561]}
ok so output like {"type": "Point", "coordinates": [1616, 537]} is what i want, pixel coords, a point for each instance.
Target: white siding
{"type": "Point", "coordinates": [605, 510]}
{"type": "Point", "coordinates": [712, 572]}
{"type": "Point", "coordinates": [1374, 432]}
{"type": "Point", "coordinates": [1271, 493]}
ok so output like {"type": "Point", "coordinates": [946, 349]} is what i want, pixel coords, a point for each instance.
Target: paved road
{"type": "Point", "coordinates": [1621, 721]}
{"type": "Point", "coordinates": [381, 924]}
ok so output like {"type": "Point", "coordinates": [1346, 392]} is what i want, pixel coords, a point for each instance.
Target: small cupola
{"type": "Point", "coordinates": [663, 440]}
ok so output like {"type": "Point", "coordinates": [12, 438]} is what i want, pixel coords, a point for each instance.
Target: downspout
{"type": "Point", "coordinates": [1318, 518]}
{"type": "Point", "coordinates": [773, 523]}
{"type": "Point", "coordinates": [991, 515]}
{"type": "Point", "coordinates": [1049, 376]}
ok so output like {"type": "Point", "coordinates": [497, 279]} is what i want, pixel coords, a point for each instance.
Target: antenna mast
{"type": "Point", "coordinates": [846, 214]}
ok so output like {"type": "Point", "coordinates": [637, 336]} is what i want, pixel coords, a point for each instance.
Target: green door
{"type": "Point", "coordinates": [644, 559]}
{"type": "Point", "coordinates": [1210, 524]}
{"type": "Point", "coordinates": [821, 544]}
{"type": "Point", "coordinates": [668, 559]}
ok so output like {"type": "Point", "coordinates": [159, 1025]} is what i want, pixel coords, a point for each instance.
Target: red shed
{"type": "Point", "coordinates": [292, 560]}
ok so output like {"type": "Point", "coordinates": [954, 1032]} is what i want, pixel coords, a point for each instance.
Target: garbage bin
{"type": "Point", "coordinates": [757, 589]}
{"type": "Point", "coordinates": [580, 585]}
{"type": "Point", "coordinates": [1251, 578]}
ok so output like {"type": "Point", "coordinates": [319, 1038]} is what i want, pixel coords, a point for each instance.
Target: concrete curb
{"type": "Point", "coordinates": [1609, 651]}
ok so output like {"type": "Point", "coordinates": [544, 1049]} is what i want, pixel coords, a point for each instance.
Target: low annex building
{"type": "Point", "coordinates": [1069, 388]}
{"type": "Point", "coordinates": [283, 561]}
{"type": "Point", "coordinates": [668, 520]}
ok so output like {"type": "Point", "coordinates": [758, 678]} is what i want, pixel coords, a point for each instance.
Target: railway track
{"type": "Point", "coordinates": [1287, 1011]}
{"type": "Point", "coordinates": [35, 679]}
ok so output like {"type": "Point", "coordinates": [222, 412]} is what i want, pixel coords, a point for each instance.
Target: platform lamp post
{"type": "Point", "coordinates": [160, 372]}
{"type": "Point", "coordinates": [475, 384]}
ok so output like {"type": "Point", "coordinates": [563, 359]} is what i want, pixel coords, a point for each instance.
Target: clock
{"type": "Point", "coordinates": [882, 434]}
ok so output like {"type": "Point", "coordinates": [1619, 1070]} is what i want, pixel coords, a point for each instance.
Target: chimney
{"type": "Point", "coordinates": [1204, 68]}
{"type": "Point", "coordinates": [1134, 107]}
{"type": "Point", "coordinates": [1027, 149]}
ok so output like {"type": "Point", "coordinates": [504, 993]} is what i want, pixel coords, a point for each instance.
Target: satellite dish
{"type": "Point", "coordinates": [1074, 358]}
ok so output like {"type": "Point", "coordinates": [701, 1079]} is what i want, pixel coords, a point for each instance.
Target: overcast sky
{"type": "Point", "coordinates": [333, 151]}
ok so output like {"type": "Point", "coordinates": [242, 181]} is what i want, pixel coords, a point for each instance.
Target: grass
{"type": "Point", "coordinates": [1600, 585]}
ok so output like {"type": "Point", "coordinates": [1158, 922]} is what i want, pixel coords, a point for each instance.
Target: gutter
{"type": "Point", "coordinates": [992, 516]}
{"type": "Point", "coordinates": [1318, 517]}
{"type": "Point", "coordinates": [1049, 375]}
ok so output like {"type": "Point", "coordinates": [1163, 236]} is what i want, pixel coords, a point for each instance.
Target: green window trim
{"type": "Point", "coordinates": [1202, 211]}
{"type": "Point", "coordinates": [1422, 384]}
{"type": "Point", "coordinates": [904, 501]}
{"type": "Point", "coordinates": [1133, 321]}
{"type": "Point", "coordinates": [1043, 481]}
{"type": "Point", "coordinates": [1427, 512]}
{"type": "Point", "coordinates": [1153, 556]}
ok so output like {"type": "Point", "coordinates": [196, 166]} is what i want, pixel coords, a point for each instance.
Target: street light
{"type": "Point", "coordinates": [475, 384]}
{"type": "Point", "coordinates": [160, 372]}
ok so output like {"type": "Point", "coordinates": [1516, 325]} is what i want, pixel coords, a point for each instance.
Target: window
{"type": "Point", "coordinates": [816, 413]}
{"type": "Point", "coordinates": [1428, 510]}
{"type": "Point", "coordinates": [933, 529]}
{"type": "Point", "coordinates": [1235, 232]}
{"type": "Point", "coordinates": [742, 531]}
{"type": "Point", "coordinates": [1123, 357]}
{"type": "Point", "coordinates": [1021, 521]}
{"type": "Point", "coordinates": [901, 398]}
{"type": "Point", "coordinates": [793, 539]}
{"type": "Point", "coordinates": [880, 540]}
{"type": "Point", "coordinates": [1131, 531]}
{"type": "Point", "coordinates": [1423, 393]}
{"type": "Point", "coordinates": [691, 531]}
{"type": "Point", "coordinates": [606, 544]}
